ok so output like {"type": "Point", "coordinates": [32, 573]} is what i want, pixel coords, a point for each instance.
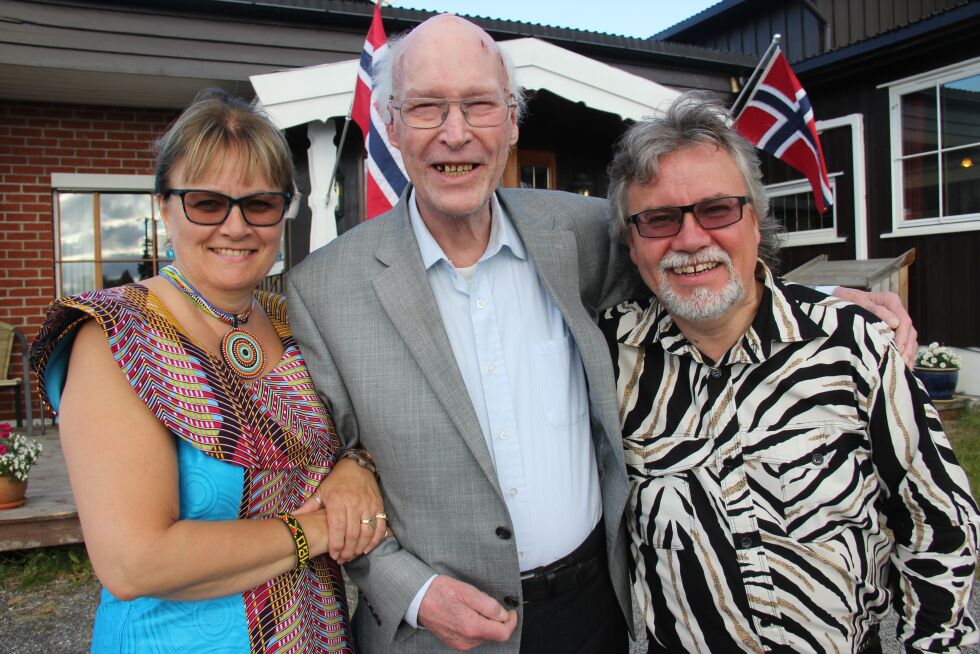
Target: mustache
{"type": "Point", "coordinates": [709, 254]}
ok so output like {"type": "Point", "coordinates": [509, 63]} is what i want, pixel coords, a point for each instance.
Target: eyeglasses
{"type": "Point", "coordinates": [212, 208]}
{"type": "Point", "coordinates": [710, 214]}
{"type": "Point", "coordinates": [429, 113]}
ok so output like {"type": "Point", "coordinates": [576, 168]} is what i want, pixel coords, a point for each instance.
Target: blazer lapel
{"type": "Point", "coordinates": [405, 294]}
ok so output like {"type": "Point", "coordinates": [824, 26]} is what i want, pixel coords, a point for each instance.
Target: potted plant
{"type": "Point", "coordinates": [17, 454]}
{"type": "Point", "coordinates": [938, 368]}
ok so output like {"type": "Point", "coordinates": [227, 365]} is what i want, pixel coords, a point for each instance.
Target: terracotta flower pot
{"type": "Point", "coordinates": [939, 382]}
{"type": "Point", "coordinates": [12, 492]}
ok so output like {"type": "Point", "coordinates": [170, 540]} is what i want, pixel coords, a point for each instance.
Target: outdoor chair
{"type": "Point", "coordinates": [20, 385]}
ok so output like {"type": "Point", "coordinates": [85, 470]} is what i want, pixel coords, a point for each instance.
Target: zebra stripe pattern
{"type": "Point", "coordinates": [784, 496]}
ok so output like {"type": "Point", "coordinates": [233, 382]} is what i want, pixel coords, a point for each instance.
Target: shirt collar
{"type": "Point", "coordinates": [502, 234]}
{"type": "Point", "coordinates": [780, 319]}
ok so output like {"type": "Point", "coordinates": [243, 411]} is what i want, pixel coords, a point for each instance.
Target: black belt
{"type": "Point", "coordinates": [566, 573]}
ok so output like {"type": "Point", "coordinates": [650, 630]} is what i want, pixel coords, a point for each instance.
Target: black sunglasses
{"type": "Point", "coordinates": [212, 208]}
{"type": "Point", "coordinates": [710, 214]}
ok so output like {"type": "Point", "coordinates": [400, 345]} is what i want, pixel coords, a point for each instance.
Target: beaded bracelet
{"type": "Point", "coordinates": [299, 539]}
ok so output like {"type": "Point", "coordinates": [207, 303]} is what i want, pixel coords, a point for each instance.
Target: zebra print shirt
{"type": "Point", "coordinates": [781, 498]}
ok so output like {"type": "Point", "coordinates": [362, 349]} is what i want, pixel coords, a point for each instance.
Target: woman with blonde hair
{"type": "Point", "coordinates": [213, 499]}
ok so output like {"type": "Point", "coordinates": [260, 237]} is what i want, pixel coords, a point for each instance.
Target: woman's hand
{"type": "Point", "coordinates": [350, 498]}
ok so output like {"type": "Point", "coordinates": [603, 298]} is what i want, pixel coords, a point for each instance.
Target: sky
{"type": "Point", "coordinates": [640, 18]}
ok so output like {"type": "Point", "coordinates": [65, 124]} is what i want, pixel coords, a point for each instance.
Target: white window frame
{"type": "Point", "coordinates": [811, 236]}
{"type": "Point", "coordinates": [89, 183]}
{"type": "Point", "coordinates": [922, 226]}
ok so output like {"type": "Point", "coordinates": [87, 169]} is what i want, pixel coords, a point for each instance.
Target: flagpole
{"type": "Point", "coordinates": [343, 138]}
{"type": "Point", "coordinates": [340, 150]}
{"type": "Point", "coordinates": [742, 98]}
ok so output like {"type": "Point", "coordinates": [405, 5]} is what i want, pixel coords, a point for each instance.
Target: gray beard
{"type": "Point", "coordinates": [702, 305]}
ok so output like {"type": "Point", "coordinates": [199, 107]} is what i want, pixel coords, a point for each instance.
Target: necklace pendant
{"type": "Point", "coordinates": [243, 353]}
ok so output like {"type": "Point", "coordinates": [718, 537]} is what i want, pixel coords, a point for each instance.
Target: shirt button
{"type": "Point", "coordinates": [520, 555]}
{"type": "Point", "coordinates": [480, 304]}
{"type": "Point", "coordinates": [512, 601]}
{"type": "Point", "coordinates": [746, 542]}
{"type": "Point", "coordinates": [491, 369]}
{"type": "Point", "coordinates": [765, 622]}
{"type": "Point", "coordinates": [504, 435]}
{"type": "Point", "coordinates": [512, 492]}
{"type": "Point", "coordinates": [817, 459]}
{"type": "Point", "coordinates": [729, 462]}
{"type": "Point", "coordinates": [503, 533]}
{"type": "Point", "coordinates": [715, 373]}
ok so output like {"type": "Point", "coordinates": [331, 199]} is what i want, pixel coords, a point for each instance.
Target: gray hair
{"type": "Point", "coordinates": [383, 74]}
{"type": "Point", "coordinates": [692, 119]}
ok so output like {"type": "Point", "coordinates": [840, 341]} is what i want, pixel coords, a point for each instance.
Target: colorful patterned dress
{"type": "Point", "coordinates": [244, 451]}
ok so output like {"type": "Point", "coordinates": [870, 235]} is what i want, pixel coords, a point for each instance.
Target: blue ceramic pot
{"type": "Point", "coordinates": [939, 382]}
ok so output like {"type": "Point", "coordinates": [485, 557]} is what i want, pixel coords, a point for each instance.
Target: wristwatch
{"type": "Point", "coordinates": [362, 458]}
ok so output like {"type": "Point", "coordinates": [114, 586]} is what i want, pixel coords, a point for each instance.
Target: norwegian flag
{"type": "Point", "coordinates": [385, 175]}
{"type": "Point", "coordinates": [777, 117]}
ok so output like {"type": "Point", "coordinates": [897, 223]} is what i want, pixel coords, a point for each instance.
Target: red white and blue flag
{"type": "Point", "coordinates": [777, 117]}
{"type": "Point", "coordinates": [385, 173]}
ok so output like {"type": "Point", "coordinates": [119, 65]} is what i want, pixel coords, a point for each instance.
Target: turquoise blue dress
{"type": "Point", "coordinates": [244, 451]}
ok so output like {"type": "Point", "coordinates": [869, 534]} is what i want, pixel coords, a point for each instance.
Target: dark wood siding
{"type": "Point", "coordinates": [807, 28]}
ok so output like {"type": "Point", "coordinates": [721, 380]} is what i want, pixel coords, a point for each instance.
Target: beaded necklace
{"type": "Point", "coordinates": [241, 351]}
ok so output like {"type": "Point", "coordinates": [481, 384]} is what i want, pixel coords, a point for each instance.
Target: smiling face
{"type": "Point", "coordinates": [699, 275]}
{"type": "Point", "coordinates": [455, 167]}
{"type": "Point", "coordinates": [227, 260]}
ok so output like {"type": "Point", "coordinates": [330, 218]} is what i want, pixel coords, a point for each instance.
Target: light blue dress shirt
{"type": "Point", "coordinates": [525, 378]}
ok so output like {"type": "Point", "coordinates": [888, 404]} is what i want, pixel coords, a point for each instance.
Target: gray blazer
{"type": "Point", "coordinates": [364, 314]}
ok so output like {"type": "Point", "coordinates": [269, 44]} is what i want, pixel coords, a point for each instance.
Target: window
{"type": "Point", "coordinates": [935, 136]}
{"type": "Point", "coordinates": [793, 206]}
{"type": "Point", "coordinates": [537, 169]}
{"type": "Point", "coordinates": [106, 237]}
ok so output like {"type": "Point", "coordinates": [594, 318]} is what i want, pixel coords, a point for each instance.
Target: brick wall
{"type": "Point", "coordinates": [37, 139]}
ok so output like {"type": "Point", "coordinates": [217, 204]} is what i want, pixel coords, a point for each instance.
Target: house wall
{"type": "Point", "coordinates": [808, 27]}
{"type": "Point", "coordinates": [37, 139]}
{"type": "Point", "coordinates": [944, 281]}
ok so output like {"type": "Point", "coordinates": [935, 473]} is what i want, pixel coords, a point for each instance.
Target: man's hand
{"type": "Point", "coordinates": [889, 309]}
{"type": "Point", "coordinates": [462, 617]}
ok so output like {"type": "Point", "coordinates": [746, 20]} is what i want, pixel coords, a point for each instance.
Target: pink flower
{"type": "Point", "coordinates": [4, 430]}
{"type": "Point", "coordinates": [3, 449]}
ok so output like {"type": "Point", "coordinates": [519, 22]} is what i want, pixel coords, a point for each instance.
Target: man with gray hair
{"type": "Point", "coordinates": [788, 475]}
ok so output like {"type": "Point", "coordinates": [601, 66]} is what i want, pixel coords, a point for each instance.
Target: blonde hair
{"type": "Point", "coordinates": [215, 125]}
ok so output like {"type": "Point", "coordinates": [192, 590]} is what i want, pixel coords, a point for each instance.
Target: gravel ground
{"type": "Point", "coordinates": [57, 618]}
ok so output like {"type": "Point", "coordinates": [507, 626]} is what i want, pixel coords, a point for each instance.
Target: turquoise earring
{"type": "Point", "coordinates": [169, 252]}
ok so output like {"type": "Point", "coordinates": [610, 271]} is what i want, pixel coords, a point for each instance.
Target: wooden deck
{"type": "Point", "coordinates": [49, 516]}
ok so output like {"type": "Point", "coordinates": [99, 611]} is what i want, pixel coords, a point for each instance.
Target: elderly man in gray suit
{"type": "Point", "coordinates": [454, 339]}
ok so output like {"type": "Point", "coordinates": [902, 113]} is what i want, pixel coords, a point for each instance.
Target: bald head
{"type": "Point", "coordinates": [441, 36]}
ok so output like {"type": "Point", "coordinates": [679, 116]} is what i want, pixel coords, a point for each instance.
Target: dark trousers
{"type": "Point", "coordinates": [582, 617]}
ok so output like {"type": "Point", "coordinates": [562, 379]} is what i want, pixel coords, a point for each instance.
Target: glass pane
{"type": "Point", "coordinates": [961, 182]}
{"type": "Point", "coordinates": [798, 213]}
{"type": "Point", "coordinates": [919, 130]}
{"type": "Point", "coordinates": [961, 112]}
{"type": "Point", "coordinates": [77, 278]}
{"type": "Point", "coordinates": [77, 225]}
{"type": "Point", "coordinates": [921, 187]}
{"type": "Point", "coordinates": [161, 239]}
{"type": "Point", "coordinates": [118, 273]}
{"type": "Point", "coordinates": [534, 177]}
{"type": "Point", "coordinates": [126, 222]}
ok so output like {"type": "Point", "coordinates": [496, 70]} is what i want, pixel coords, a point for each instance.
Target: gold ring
{"type": "Point", "coordinates": [370, 522]}
{"type": "Point", "coordinates": [382, 516]}
{"type": "Point", "coordinates": [316, 498]}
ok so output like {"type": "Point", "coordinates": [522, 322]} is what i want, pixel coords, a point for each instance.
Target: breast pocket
{"type": "Point", "coordinates": [818, 480]}
{"type": "Point", "coordinates": [561, 381]}
{"type": "Point", "coordinates": [661, 473]}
